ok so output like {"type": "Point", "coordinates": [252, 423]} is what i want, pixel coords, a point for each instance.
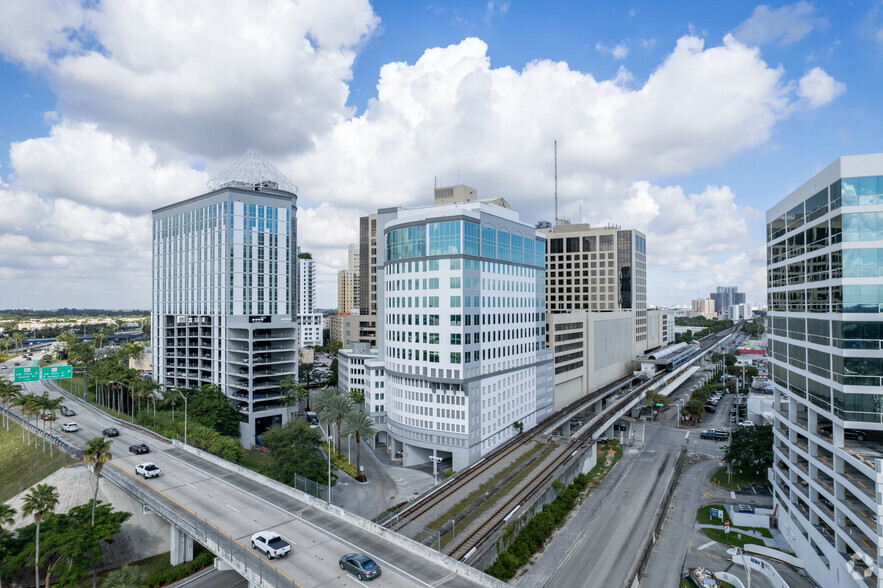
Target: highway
{"type": "Point", "coordinates": [241, 506]}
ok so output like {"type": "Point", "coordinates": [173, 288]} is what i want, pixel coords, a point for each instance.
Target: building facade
{"type": "Point", "coordinates": [825, 298]}
{"type": "Point", "coordinates": [361, 370]}
{"type": "Point", "coordinates": [225, 291]}
{"type": "Point", "coordinates": [703, 307]}
{"type": "Point", "coordinates": [601, 269]}
{"type": "Point", "coordinates": [462, 327]}
{"type": "Point", "coordinates": [725, 297]}
{"type": "Point", "coordinates": [310, 322]}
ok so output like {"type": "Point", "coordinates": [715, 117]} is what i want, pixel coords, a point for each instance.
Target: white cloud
{"type": "Point", "coordinates": [786, 25]}
{"type": "Point", "coordinates": [78, 162]}
{"type": "Point", "coordinates": [619, 51]}
{"type": "Point", "coordinates": [31, 32]}
{"type": "Point", "coordinates": [178, 74]}
{"type": "Point", "coordinates": [818, 88]}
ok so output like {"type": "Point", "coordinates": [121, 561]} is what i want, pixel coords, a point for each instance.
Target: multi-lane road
{"type": "Point", "coordinates": [241, 506]}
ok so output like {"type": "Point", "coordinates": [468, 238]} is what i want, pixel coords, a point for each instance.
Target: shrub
{"type": "Point", "coordinates": [174, 573]}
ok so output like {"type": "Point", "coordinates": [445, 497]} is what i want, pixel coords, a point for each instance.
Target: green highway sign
{"type": "Point", "coordinates": [27, 374]}
{"type": "Point", "coordinates": [55, 372]}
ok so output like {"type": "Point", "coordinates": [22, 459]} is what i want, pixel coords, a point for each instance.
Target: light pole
{"type": "Point", "coordinates": [185, 413]}
{"type": "Point", "coordinates": [680, 403]}
{"type": "Point", "coordinates": [328, 441]}
{"type": "Point", "coordinates": [435, 461]}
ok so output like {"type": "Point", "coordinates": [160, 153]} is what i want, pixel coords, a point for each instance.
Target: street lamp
{"type": "Point", "coordinates": [185, 412]}
{"type": "Point", "coordinates": [327, 440]}
{"type": "Point", "coordinates": [435, 461]}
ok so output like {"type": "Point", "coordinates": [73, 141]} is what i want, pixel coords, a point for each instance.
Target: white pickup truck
{"type": "Point", "coordinates": [270, 543]}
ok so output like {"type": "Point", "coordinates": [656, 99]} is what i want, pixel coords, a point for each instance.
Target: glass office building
{"type": "Point", "coordinates": [225, 292]}
{"type": "Point", "coordinates": [463, 328]}
{"type": "Point", "coordinates": [825, 298]}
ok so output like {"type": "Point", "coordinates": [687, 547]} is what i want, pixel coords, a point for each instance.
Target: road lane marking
{"type": "Point", "coordinates": [686, 435]}
{"type": "Point", "coordinates": [706, 546]}
{"type": "Point", "coordinates": [233, 507]}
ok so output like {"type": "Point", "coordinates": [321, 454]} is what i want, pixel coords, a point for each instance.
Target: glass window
{"type": "Point", "coordinates": [794, 218]}
{"type": "Point", "coordinates": [503, 252]}
{"type": "Point", "coordinates": [573, 244]}
{"type": "Point", "coordinates": [817, 205]}
{"type": "Point", "coordinates": [455, 264]}
{"type": "Point", "coordinates": [777, 227]}
{"type": "Point", "coordinates": [433, 302]}
{"type": "Point", "coordinates": [556, 246]}
{"type": "Point", "coordinates": [488, 242]}
{"type": "Point", "coordinates": [864, 298]}
{"type": "Point", "coordinates": [817, 237]}
{"type": "Point", "coordinates": [456, 320]}
{"type": "Point", "coordinates": [456, 338]}
{"type": "Point", "coordinates": [455, 357]}
{"type": "Point", "coordinates": [433, 283]}
{"type": "Point", "coordinates": [471, 238]}
{"type": "Point", "coordinates": [517, 249]}
{"type": "Point", "coordinates": [444, 238]}
{"type": "Point", "coordinates": [455, 302]}
{"type": "Point", "coordinates": [455, 282]}
{"type": "Point", "coordinates": [433, 320]}
{"type": "Point", "coordinates": [605, 242]}
{"type": "Point", "coordinates": [862, 263]}
{"type": "Point", "coordinates": [406, 242]}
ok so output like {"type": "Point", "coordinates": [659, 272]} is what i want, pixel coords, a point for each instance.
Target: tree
{"type": "Point", "coordinates": [357, 397]}
{"type": "Point", "coordinates": [40, 502]}
{"type": "Point", "coordinates": [294, 446]}
{"type": "Point", "coordinates": [730, 359]}
{"type": "Point", "coordinates": [694, 409]}
{"type": "Point", "coordinates": [68, 337]}
{"type": "Point", "coordinates": [306, 374]}
{"type": "Point", "coordinates": [8, 391]}
{"type": "Point", "coordinates": [211, 407]}
{"type": "Point", "coordinates": [96, 454]}
{"type": "Point", "coordinates": [358, 424]}
{"type": "Point", "coordinates": [333, 369]}
{"type": "Point", "coordinates": [751, 448]}
{"type": "Point", "coordinates": [126, 577]}
{"type": "Point", "coordinates": [293, 392]}
{"type": "Point", "coordinates": [335, 408]}
{"type": "Point", "coordinates": [80, 353]}
{"type": "Point", "coordinates": [19, 338]}
{"type": "Point", "coordinates": [716, 357]}
{"type": "Point", "coordinates": [99, 339]}
{"type": "Point", "coordinates": [736, 370]}
{"type": "Point", "coordinates": [7, 518]}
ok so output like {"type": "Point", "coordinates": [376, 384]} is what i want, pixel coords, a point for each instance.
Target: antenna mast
{"type": "Point", "coordinates": [556, 182]}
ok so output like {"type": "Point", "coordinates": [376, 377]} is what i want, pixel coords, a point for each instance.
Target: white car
{"type": "Point", "coordinates": [70, 427]}
{"type": "Point", "coordinates": [148, 470]}
{"type": "Point", "coordinates": [746, 424]}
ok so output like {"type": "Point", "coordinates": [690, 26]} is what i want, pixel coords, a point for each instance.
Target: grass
{"type": "Point", "coordinates": [475, 494]}
{"type": "Point", "coordinates": [341, 462]}
{"type": "Point", "coordinates": [734, 538]}
{"type": "Point", "coordinates": [703, 516]}
{"type": "Point", "coordinates": [22, 466]}
{"type": "Point", "coordinates": [722, 479]}
{"type": "Point", "coordinates": [257, 461]}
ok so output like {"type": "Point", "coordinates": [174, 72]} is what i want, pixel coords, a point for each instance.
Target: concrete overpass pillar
{"type": "Point", "coordinates": [180, 546]}
{"type": "Point", "coordinates": [565, 429]}
{"type": "Point", "coordinates": [598, 406]}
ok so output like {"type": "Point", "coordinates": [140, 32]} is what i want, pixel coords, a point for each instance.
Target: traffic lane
{"type": "Point", "coordinates": [604, 553]}
{"type": "Point", "coordinates": [407, 565]}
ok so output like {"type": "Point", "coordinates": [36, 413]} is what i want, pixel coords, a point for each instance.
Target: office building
{"type": "Point", "coordinates": [347, 329]}
{"type": "Point", "coordinates": [725, 297]}
{"type": "Point", "coordinates": [310, 322]}
{"type": "Point", "coordinates": [703, 307]}
{"type": "Point", "coordinates": [825, 298]}
{"type": "Point", "coordinates": [224, 291]}
{"type": "Point", "coordinates": [601, 269]}
{"type": "Point", "coordinates": [361, 370]}
{"type": "Point", "coordinates": [461, 292]}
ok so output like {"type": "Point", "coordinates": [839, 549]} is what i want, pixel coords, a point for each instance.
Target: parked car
{"type": "Point", "coordinates": [361, 565]}
{"type": "Point", "coordinates": [68, 412]}
{"type": "Point", "coordinates": [270, 543]}
{"type": "Point", "coordinates": [111, 432]}
{"type": "Point", "coordinates": [147, 469]}
{"type": "Point", "coordinates": [70, 427]}
{"type": "Point", "coordinates": [847, 433]}
{"type": "Point", "coordinates": [714, 435]}
{"type": "Point", "coordinates": [620, 427]}
{"type": "Point", "coordinates": [746, 424]}
{"type": "Point", "coordinates": [603, 439]}
{"type": "Point", "coordinates": [710, 408]}
{"type": "Point", "coordinates": [139, 449]}
{"type": "Point", "coordinates": [312, 418]}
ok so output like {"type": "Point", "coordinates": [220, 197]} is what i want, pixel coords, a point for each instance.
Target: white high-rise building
{"type": "Point", "coordinates": [310, 322]}
{"type": "Point", "coordinates": [825, 303]}
{"type": "Point", "coordinates": [462, 327]}
{"type": "Point", "coordinates": [224, 291]}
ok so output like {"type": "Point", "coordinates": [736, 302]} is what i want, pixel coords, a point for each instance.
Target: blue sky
{"type": "Point", "coordinates": [685, 120]}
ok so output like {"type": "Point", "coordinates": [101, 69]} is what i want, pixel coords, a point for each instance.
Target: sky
{"type": "Point", "coordinates": [685, 120]}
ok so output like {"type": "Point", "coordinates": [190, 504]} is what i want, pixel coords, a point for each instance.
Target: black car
{"type": "Point", "coordinates": [361, 565]}
{"type": "Point", "coordinates": [111, 432]}
{"type": "Point", "coordinates": [139, 449]}
{"type": "Point", "coordinates": [68, 412]}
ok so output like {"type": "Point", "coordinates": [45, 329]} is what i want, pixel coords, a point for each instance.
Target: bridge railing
{"type": "Point", "coordinates": [48, 435]}
{"type": "Point", "coordinates": [249, 564]}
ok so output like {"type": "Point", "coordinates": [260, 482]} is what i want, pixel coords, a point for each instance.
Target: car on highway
{"type": "Point", "coordinates": [111, 432]}
{"type": "Point", "coordinates": [147, 469]}
{"type": "Point", "coordinates": [139, 449]}
{"type": "Point", "coordinates": [270, 543]}
{"type": "Point", "coordinates": [71, 427]}
{"type": "Point", "coordinates": [68, 412]}
{"type": "Point", "coordinates": [361, 565]}
{"type": "Point", "coordinates": [48, 416]}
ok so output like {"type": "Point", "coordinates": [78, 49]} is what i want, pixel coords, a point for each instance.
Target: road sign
{"type": "Point", "coordinates": [659, 404]}
{"type": "Point", "coordinates": [27, 374]}
{"type": "Point", "coordinates": [55, 372]}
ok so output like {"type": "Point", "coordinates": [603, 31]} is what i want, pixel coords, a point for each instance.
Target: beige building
{"type": "Point", "coordinates": [347, 329]}
{"type": "Point", "coordinates": [602, 269]}
{"type": "Point", "coordinates": [703, 307]}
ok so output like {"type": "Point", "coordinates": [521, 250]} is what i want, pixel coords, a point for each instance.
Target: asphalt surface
{"type": "Point", "coordinates": [241, 507]}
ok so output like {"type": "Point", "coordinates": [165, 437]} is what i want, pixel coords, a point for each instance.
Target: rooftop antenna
{"type": "Point", "coordinates": [556, 182]}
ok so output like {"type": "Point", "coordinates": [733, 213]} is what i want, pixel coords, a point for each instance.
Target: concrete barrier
{"type": "Point", "coordinates": [729, 578]}
{"type": "Point", "coordinates": [441, 559]}
{"type": "Point", "coordinates": [763, 567]}
{"type": "Point", "coordinates": [775, 554]}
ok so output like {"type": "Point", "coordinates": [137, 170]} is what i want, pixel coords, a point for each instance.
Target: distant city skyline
{"type": "Point", "coordinates": [683, 121]}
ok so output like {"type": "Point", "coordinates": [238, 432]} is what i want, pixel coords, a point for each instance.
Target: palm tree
{"type": "Point", "coordinates": [7, 517]}
{"type": "Point", "coordinates": [8, 391]}
{"type": "Point", "coordinates": [50, 405]}
{"type": "Point", "coordinates": [18, 337]}
{"type": "Point", "coordinates": [40, 502]}
{"type": "Point", "coordinates": [98, 340]}
{"type": "Point", "coordinates": [293, 393]}
{"type": "Point", "coordinates": [5, 342]}
{"type": "Point", "coordinates": [96, 454]}
{"type": "Point", "coordinates": [359, 424]}
{"type": "Point", "coordinates": [335, 408]}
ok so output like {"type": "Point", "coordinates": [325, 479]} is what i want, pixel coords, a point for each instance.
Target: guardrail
{"type": "Point", "coordinates": [247, 563]}
{"type": "Point", "coordinates": [49, 435]}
